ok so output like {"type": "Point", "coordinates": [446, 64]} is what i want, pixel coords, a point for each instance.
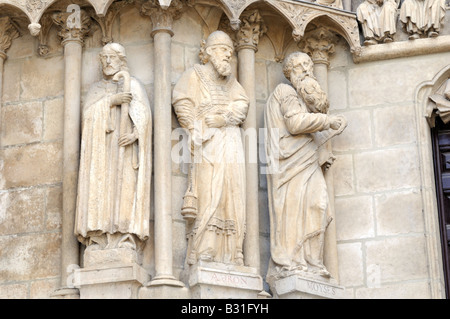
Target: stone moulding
{"type": "Point", "coordinates": [394, 50]}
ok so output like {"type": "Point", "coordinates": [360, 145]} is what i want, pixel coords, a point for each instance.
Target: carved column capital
{"type": "Point", "coordinates": [162, 18]}
{"type": "Point", "coordinates": [8, 32]}
{"type": "Point", "coordinates": [319, 44]}
{"type": "Point", "coordinates": [74, 26]}
{"type": "Point", "coordinates": [252, 28]}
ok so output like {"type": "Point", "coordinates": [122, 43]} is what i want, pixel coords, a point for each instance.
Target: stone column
{"type": "Point", "coordinates": [162, 20]}
{"type": "Point", "coordinates": [8, 32]}
{"type": "Point", "coordinates": [319, 44]}
{"type": "Point", "coordinates": [73, 29]}
{"type": "Point", "coordinates": [247, 38]}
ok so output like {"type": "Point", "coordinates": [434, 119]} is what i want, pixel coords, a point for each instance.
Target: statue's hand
{"type": "Point", "coordinates": [127, 139]}
{"type": "Point", "coordinates": [120, 98]}
{"type": "Point", "coordinates": [329, 162]}
{"type": "Point", "coordinates": [335, 122]}
{"type": "Point", "coordinates": [216, 121]}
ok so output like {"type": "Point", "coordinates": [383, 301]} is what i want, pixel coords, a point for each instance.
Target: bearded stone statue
{"type": "Point", "coordinates": [211, 104]}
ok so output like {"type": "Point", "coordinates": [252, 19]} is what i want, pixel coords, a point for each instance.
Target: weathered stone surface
{"type": "Point", "coordinates": [53, 119]}
{"type": "Point", "coordinates": [30, 257]}
{"type": "Point", "coordinates": [21, 123]}
{"type": "Point", "coordinates": [22, 211]}
{"type": "Point", "coordinates": [399, 213]}
{"type": "Point", "coordinates": [186, 29]}
{"type": "Point", "coordinates": [42, 289]}
{"type": "Point", "coordinates": [14, 291]}
{"type": "Point", "coordinates": [337, 92]}
{"type": "Point", "coordinates": [407, 290]}
{"type": "Point", "coordinates": [261, 81]}
{"type": "Point", "coordinates": [344, 177]}
{"type": "Point", "coordinates": [133, 26]}
{"type": "Point", "coordinates": [11, 87]}
{"type": "Point", "coordinates": [54, 207]}
{"type": "Point", "coordinates": [91, 69]}
{"type": "Point", "coordinates": [22, 47]}
{"type": "Point", "coordinates": [354, 217]}
{"type": "Point", "coordinates": [36, 84]}
{"type": "Point", "coordinates": [351, 271]}
{"type": "Point", "coordinates": [140, 64]}
{"type": "Point", "coordinates": [387, 87]}
{"type": "Point", "coordinates": [394, 125]}
{"type": "Point", "coordinates": [388, 169]}
{"type": "Point", "coordinates": [31, 165]}
{"type": "Point", "coordinates": [177, 61]}
{"type": "Point", "coordinates": [398, 258]}
{"type": "Point", "coordinates": [357, 135]}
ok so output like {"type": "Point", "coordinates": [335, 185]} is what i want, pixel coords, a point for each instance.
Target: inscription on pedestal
{"type": "Point", "coordinates": [228, 280]}
{"type": "Point", "coordinates": [299, 287]}
{"type": "Point", "coordinates": [321, 289]}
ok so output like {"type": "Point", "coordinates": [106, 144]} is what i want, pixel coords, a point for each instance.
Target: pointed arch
{"type": "Point", "coordinates": [301, 14]}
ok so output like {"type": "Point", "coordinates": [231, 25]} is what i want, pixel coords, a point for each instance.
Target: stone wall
{"type": "Point", "coordinates": [379, 210]}
{"type": "Point", "coordinates": [379, 207]}
{"type": "Point", "coordinates": [31, 172]}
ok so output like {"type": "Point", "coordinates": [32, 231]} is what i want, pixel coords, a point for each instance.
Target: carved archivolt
{"type": "Point", "coordinates": [299, 15]}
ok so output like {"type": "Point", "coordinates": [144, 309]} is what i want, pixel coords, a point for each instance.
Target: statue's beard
{"type": "Point", "coordinates": [110, 71]}
{"type": "Point", "coordinates": [312, 94]}
{"type": "Point", "coordinates": [223, 67]}
{"type": "Point", "coordinates": [297, 82]}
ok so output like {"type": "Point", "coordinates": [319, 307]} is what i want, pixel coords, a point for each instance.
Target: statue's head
{"type": "Point", "coordinates": [113, 58]}
{"type": "Point", "coordinates": [218, 50]}
{"type": "Point", "coordinates": [297, 66]}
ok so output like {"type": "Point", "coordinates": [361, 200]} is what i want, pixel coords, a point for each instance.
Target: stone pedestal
{"type": "Point", "coordinates": [110, 274]}
{"type": "Point", "coordinates": [298, 287]}
{"type": "Point", "coordinates": [209, 280]}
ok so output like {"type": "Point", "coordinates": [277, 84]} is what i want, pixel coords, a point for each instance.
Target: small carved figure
{"type": "Point", "coordinates": [113, 203]}
{"type": "Point", "coordinates": [440, 105]}
{"type": "Point", "coordinates": [211, 104]}
{"type": "Point", "coordinates": [433, 16]}
{"type": "Point", "coordinates": [378, 20]}
{"type": "Point", "coordinates": [298, 197]}
{"type": "Point", "coordinates": [422, 17]}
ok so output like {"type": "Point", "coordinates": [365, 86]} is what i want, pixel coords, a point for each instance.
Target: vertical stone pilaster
{"type": "Point", "coordinates": [319, 44]}
{"type": "Point", "coordinates": [8, 32]}
{"type": "Point", "coordinates": [73, 28]}
{"type": "Point", "coordinates": [247, 39]}
{"type": "Point", "coordinates": [162, 20]}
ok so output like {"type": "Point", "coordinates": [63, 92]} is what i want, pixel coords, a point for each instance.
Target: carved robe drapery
{"type": "Point", "coordinates": [219, 170]}
{"type": "Point", "coordinates": [434, 13]}
{"type": "Point", "coordinates": [298, 197]}
{"type": "Point", "coordinates": [377, 21]}
{"type": "Point", "coordinates": [96, 212]}
{"type": "Point", "coordinates": [412, 15]}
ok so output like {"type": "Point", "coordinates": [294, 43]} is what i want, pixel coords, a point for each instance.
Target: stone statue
{"type": "Point", "coordinates": [113, 203]}
{"type": "Point", "coordinates": [378, 20]}
{"type": "Point", "coordinates": [298, 198]}
{"type": "Point", "coordinates": [422, 17]}
{"type": "Point", "coordinates": [440, 105]}
{"type": "Point", "coordinates": [211, 104]}
{"type": "Point", "coordinates": [433, 16]}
